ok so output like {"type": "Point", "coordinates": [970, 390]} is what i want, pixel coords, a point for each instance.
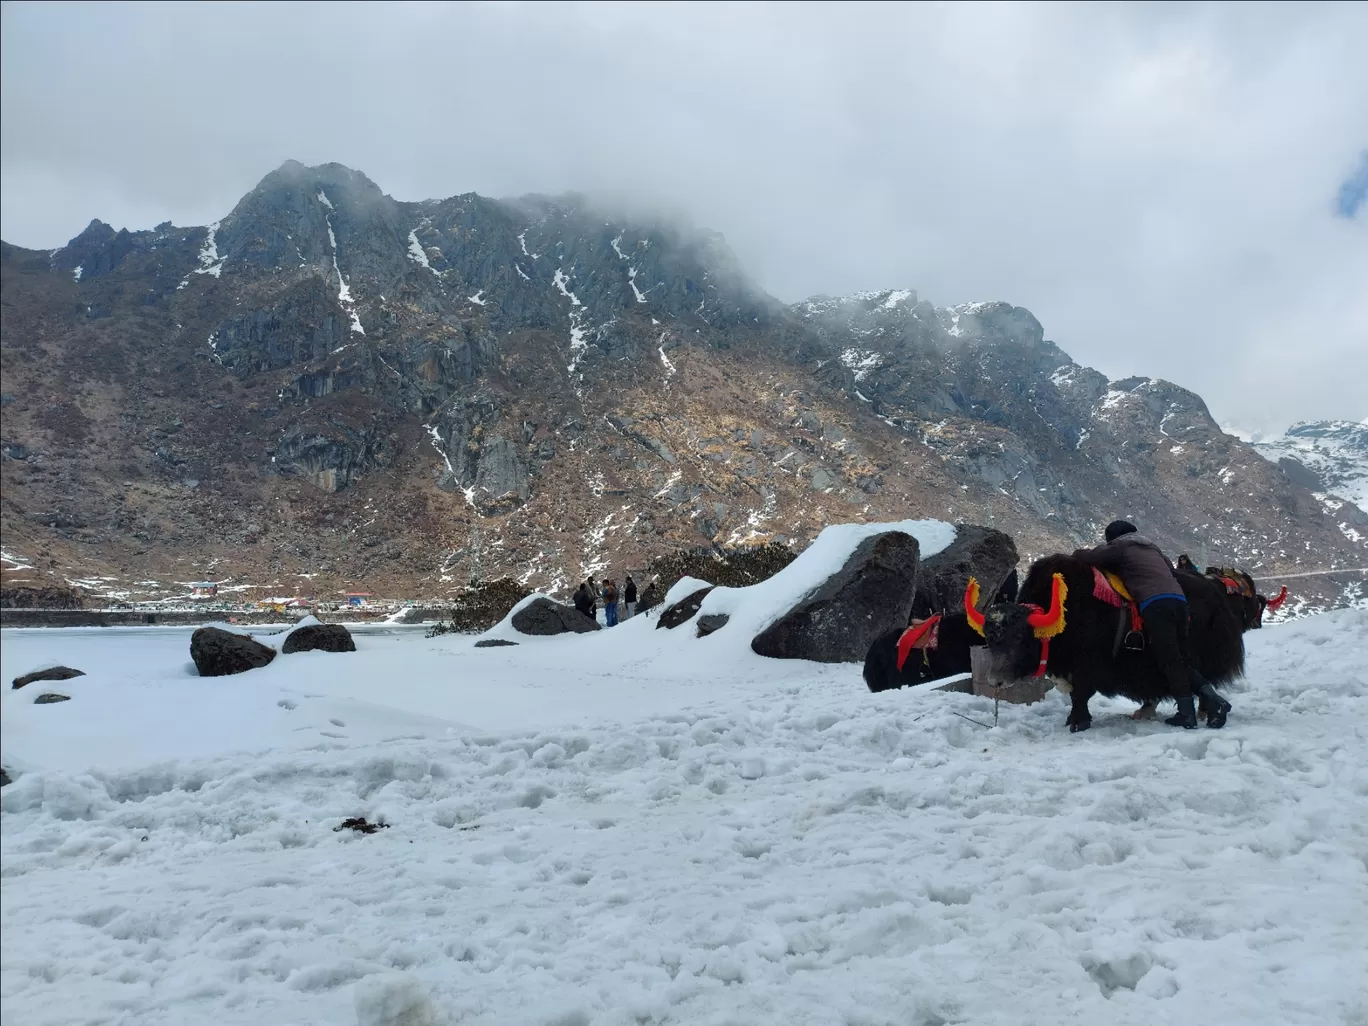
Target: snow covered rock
{"type": "Point", "coordinates": [543, 617]}
{"type": "Point", "coordinates": [683, 609]}
{"type": "Point", "coordinates": [319, 637]}
{"type": "Point", "coordinates": [51, 673]}
{"type": "Point", "coordinates": [981, 552]}
{"type": "Point", "coordinates": [494, 643]}
{"type": "Point", "coordinates": [837, 621]}
{"type": "Point", "coordinates": [51, 698]}
{"type": "Point", "coordinates": [393, 999]}
{"type": "Point", "coordinates": [217, 652]}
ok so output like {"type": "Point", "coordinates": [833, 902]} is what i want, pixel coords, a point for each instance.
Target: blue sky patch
{"type": "Point", "coordinates": [1354, 190]}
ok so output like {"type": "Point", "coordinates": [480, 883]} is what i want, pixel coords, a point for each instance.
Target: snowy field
{"type": "Point", "coordinates": [641, 827]}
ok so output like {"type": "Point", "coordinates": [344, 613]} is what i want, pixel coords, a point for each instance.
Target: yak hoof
{"type": "Point", "coordinates": [1074, 728]}
{"type": "Point", "coordinates": [1145, 712]}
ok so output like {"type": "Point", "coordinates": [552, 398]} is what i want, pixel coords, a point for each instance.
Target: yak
{"type": "Point", "coordinates": [1243, 597]}
{"type": "Point", "coordinates": [946, 658]}
{"type": "Point", "coordinates": [1058, 628]}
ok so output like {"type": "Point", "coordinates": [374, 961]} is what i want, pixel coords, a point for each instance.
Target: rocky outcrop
{"type": "Point", "coordinates": [542, 617]}
{"type": "Point", "coordinates": [982, 552]}
{"type": "Point", "coordinates": [51, 673]}
{"type": "Point", "coordinates": [839, 620]}
{"type": "Point", "coordinates": [712, 622]}
{"type": "Point", "coordinates": [331, 457]}
{"type": "Point", "coordinates": [29, 596]}
{"type": "Point", "coordinates": [495, 643]}
{"type": "Point", "coordinates": [51, 698]}
{"type": "Point", "coordinates": [218, 653]}
{"type": "Point", "coordinates": [319, 637]}
{"type": "Point", "coordinates": [682, 611]}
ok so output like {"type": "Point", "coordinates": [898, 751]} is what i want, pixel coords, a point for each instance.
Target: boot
{"type": "Point", "coordinates": [1186, 716]}
{"type": "Point", "coordinates": [1217, 708]}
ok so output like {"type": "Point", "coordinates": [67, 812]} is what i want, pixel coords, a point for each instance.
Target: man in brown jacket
{"type": "Point", "coordinates": [1150, 578]}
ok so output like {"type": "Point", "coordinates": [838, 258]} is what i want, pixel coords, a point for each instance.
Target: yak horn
{"type": "Point", "coordinates": [1051, 622]}
{"type": "Point", "coordinates": [1281, 597]}
{"type": "Point", "coordinates": [971, 597]}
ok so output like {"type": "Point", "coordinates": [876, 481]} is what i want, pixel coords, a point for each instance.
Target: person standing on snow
{"type": "Point", "coordinates": [610, 603]}
{"type": "Point", "coordinates": [629, 597]}
{"type": "Point", "coordinates": [1150, 578]}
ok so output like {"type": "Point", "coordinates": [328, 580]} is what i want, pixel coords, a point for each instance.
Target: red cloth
{"type": "Point", "coordinates": [1103, 590]}
{"type": "Point", "coordinates": [919, 635]}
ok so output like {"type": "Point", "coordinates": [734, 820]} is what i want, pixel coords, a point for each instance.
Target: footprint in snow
{"type": "Point", "coordinates": [337, 723]}
{"type": "Point", "coordinates": [285, 703]}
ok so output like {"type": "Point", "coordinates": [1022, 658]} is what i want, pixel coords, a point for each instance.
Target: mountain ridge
{"type": "Point", "coordinates": [535, 387]}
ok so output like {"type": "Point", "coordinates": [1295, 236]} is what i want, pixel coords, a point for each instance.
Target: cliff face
{"type": "Point", "coordinates": [329, 388]}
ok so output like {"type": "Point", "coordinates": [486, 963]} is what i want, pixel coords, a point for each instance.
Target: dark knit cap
{"type": "Point", "coordinates": [1119, 527]}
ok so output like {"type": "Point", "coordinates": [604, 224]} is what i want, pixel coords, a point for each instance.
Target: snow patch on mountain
{"type": "Point", "coordinates": [417, 254]}
{"type": "Point", "coordinates": [209, 260]}
{"type": "Point", "coordinates": [861, 362]}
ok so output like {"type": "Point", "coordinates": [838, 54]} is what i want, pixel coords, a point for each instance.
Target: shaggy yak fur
{"type": "Point", "coordinates": [948, 658]}
{"type": "Point", "coordinates": [1081, 655]}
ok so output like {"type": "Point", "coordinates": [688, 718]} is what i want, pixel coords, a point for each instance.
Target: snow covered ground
{"type": "Point", "coordinates": [642, 827]}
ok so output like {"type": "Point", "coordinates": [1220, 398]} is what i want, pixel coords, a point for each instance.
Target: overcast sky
{"type": "Point", "coordinates": [1174, 191]}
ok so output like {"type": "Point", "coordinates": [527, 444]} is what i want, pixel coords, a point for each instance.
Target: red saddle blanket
{"type": "Point", "coordinates": [921, 634]}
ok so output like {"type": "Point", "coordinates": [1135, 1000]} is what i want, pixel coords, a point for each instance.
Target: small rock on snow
{"type": "Point", "coordinates": [393, 999]}
{"type": "Point", "coordinates": [51, 673]}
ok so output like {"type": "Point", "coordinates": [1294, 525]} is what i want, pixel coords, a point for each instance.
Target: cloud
{"type": "Point", "coordinates": [1158, 183]}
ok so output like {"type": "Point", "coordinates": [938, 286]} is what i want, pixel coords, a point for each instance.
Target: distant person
{"type": "Point", "coordinates": [629, 597]}
{"type": "Point", "coordinates": [584, 602]}
{"type": "Point", "coordinates": [610, 603]}
{"type": "Point", "coordinates": [593, 598]}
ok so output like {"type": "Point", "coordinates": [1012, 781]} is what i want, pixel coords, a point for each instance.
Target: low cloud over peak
{"type": "Point", "coordinates": [1171, 190]}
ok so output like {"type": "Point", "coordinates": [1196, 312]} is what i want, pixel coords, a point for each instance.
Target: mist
{"type": "Point", "coordinates": [1171, 190]}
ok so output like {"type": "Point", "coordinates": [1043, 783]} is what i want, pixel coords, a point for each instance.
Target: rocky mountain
{"type": "Point", "coordinates": [329, 389]}
{"type": "Point", "coordinates": [1326, 456]}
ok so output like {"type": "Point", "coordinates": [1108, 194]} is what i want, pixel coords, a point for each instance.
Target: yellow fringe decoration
{"type": "Point", "coordinates": [1117, 586]}
{"type": "Point", "coordinates": [971, 600]}
{"type": "Point", "coordinates": [1058, 590]}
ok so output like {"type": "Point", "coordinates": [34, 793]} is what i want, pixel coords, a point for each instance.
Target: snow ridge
{"type": "Point", "coordinates": [209, 262]}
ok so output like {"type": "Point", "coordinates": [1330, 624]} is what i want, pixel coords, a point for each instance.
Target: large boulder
{"type": "Point", "coordinates": [319, 637]}
{"type": "Point", "coordinates": [51, 673]}
{"type": "Point", "coordinates": [683, 610]}
{"type": "Point", "coordinates": [542, 617]}
{"type": "Point", "coordinates": [838, 620]}
{"type": "Point", "coordinates": [982, 552]}
{"type": "Point", "coordinates": [217, 652]}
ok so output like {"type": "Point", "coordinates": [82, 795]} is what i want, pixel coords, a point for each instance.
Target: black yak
{"type": "Point", "coordinates": [1068, 634]}
{"type": "Point", "coordinates": [1242, 595]}
{"type": "Point", "coordinates": [949, 656]}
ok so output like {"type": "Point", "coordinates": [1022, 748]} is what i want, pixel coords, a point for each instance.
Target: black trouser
{"type": "Point", "coordinates": [1166, 628]}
